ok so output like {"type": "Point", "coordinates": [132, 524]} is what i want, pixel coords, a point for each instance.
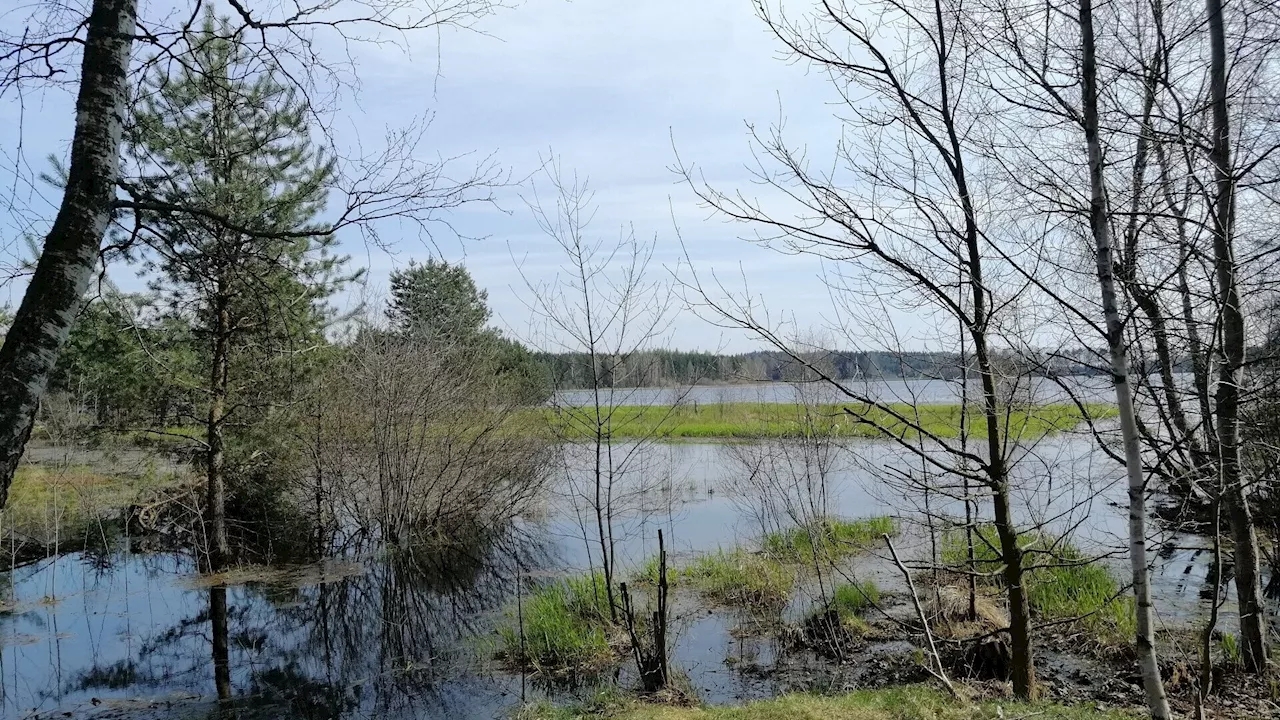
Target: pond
{"type": "Point", "coordinates": [411, 634]}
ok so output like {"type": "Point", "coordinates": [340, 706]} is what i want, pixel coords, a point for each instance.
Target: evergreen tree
{"type": "Point", "coordinates": [437, 301]}
{"type": "Point", "coordinates": [125, 371]}
{"type": "Point", "coordinates": [438, 304]}
{"type": "Point", "coordinates": [222, 137]}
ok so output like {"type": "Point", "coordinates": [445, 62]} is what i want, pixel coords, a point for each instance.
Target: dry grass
{"type": "Point", "coordinates": [950, 607]}
{"type": "Point", "coordinates": [66, 507]}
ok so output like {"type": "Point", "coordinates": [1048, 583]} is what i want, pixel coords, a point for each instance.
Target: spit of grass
{"type": "Point", "coordinates": [1068, 585]}
{"type": "Point", "coordinates": [785, 420]}
{"type": "Point", "coordinates": [765, 580]}
{"type": "Point", "coordinates": [911, 702]}
{"type": "Point", "coordinates": [831, 538]}
{"type": "Point", "coordinates": [566, 627]}
{"type": "Point", "coordinates": [739, 577]}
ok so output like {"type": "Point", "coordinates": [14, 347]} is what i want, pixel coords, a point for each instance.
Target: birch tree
{"type": "Point", "coordinates": [1100, 226]}
{"type": "Point", "coordinates": [70, 251]}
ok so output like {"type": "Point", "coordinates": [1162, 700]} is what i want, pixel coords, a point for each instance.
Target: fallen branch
{"type": "Point", "coordinates": [937, 670]}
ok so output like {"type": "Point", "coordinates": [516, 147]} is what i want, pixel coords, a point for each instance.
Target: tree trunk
{"type": "Point", "coordinates": [1253, 623]}
{"type": "Point", "coordinates": [52, 299]}
{"type": "Point", "coordinates": [221, 646]}
{"type": "Point", "coordinates": [216, 500]}
{"type": "Point", "coordinates": [1157, 701]}
{"type": "Point", "coordinates": [1023, 670]}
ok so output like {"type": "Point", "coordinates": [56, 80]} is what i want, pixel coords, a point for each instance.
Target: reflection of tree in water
{"type": "Point", "coordinates": [393, 641]}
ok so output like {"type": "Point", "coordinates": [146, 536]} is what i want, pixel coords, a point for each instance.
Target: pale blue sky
{"type": "Point", "coordinates": [604, 84]}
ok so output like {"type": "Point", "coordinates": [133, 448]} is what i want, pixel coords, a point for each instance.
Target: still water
{"type": "Point", "coordinates": [411, 635]}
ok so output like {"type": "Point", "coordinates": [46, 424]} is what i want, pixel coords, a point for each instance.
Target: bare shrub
{"type": "Point", "coordinates": [408, 439]}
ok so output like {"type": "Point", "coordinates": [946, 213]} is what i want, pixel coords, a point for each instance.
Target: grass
{"type": "Point", "coordinates": [1232, 654]}
{"type": "Point", "coordinates": [842, 616]}
{"type": "Point", "coordinates": [786, 420]}
{"type": "Point", "coordinates": [738, 577]}
{"type": "Point", "coordinates": [649, 572]}
{"type": "Point", "coordinates": [912, 702]}
{"type": "Point", "coordinates": [1068, 584]}
{"type": "Point", "coordinates": [70, 506]}
{"type": "Point", "coordinates": [853, 600]}
{"type": "Point", "coordinates": [566, 627]}
{"type": "Point", "coordinates": [835, 538]}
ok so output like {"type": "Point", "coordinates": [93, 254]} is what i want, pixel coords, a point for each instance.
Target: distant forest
{"type": "Point", "coordinates": [675, 367]}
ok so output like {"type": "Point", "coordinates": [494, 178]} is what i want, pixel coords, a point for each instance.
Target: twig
{"type": "Point", "coordinates": [938, 671]}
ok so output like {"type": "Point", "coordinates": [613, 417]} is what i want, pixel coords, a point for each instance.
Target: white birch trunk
{"type": "Point", "coordinates": [1157, 701]}
{"type": "Point", "coordinates": [70, 253]}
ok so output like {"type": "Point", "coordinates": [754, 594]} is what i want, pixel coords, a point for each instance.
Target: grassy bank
{"type": "Point", "coordinates": [69, 507]}
{"type": "Point", "coordinates": [903, 703]}
{"type": "Point", "coordinates": [784, 420]}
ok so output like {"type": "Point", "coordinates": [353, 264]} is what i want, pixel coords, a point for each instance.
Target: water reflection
{"type": "Point", "coordinates": [406, 637]}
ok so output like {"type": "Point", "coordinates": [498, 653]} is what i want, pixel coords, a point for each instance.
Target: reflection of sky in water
{"type": "Point", "coordinates": [407, 638]}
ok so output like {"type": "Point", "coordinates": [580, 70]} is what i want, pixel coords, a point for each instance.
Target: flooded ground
{"type": "Point", "coordinates": [411, 635]}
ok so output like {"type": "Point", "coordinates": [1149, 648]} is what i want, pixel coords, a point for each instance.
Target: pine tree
{"type": "Point", "coordinates": [437, 301]}
{"type": "Point", "coordinates": [222, 137]}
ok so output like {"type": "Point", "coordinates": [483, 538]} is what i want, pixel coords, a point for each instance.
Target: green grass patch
{"type": "Point", "coordinates": [566, 627]}
{"type": "Point", "coordinates": [738, 577]}
{"type": "Point", "coordinates": [842, 616]}
{"type": "Point", "coordinates": [854, 599]}
{"type": "Point", "coordinates": [786, 420]}
{"type": "Point", "coordinates": [912, 702]}
{"type": "Point", "coordinates": [831, 538]}
{"type": "Point", "coordinates": [1066, 584]}
{"type": "Point", "coordinates": [648, 573]}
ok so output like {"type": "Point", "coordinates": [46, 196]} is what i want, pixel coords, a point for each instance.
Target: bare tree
{"type": "Point", "coordinates": [1099, 222]}
{"type": "Point", "coordinates": [1177, 261]}
{"type": "Point", "coordinates": [1253, 621]}
{"type": "Point", "coordinates": [910, 224]}
{"type": "Point", "coordinates": [606, 309]}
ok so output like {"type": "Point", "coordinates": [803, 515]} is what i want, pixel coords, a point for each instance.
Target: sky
{"type": "Point", "coordinates": [612, 89]}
